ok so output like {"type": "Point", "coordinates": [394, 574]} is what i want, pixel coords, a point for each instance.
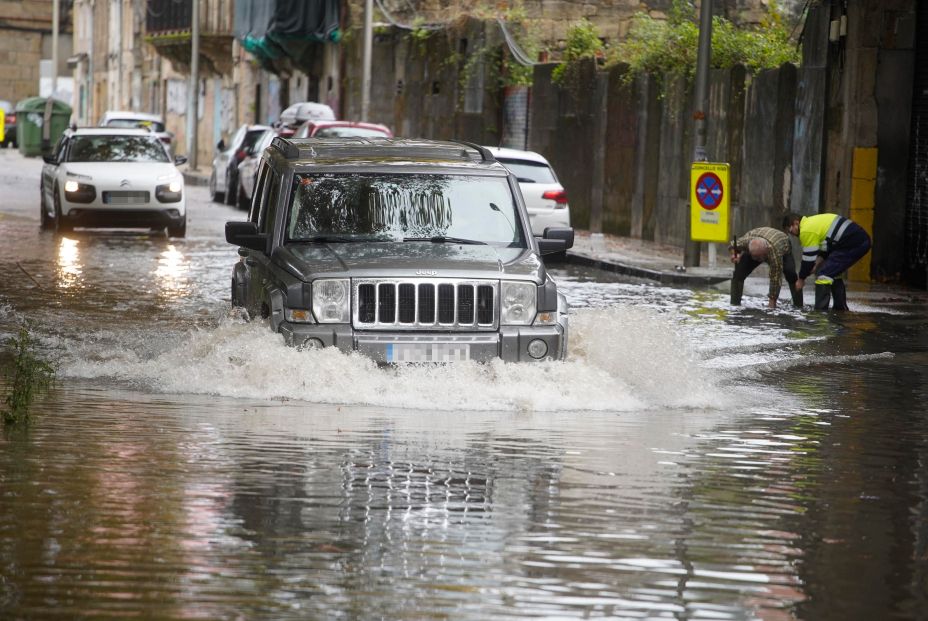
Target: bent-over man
{"type": "Point", "coordinates": [830, 245]}
{"type": "Point", "coordinates": [764, 245]}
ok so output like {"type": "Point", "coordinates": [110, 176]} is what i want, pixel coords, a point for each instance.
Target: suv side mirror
{"type": "Point", "coordinates": [221, 145]}
{"type": "Point", "coordinates": [49, 158]}
{"type": "Point", "coordinates": [180, 159]}
{"type": "Point", "coordinates": [246, 235]}
{"type": "Point", "coordinates": [556, 239]}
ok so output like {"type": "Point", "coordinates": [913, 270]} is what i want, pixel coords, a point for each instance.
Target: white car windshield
{"type": "Point", "coordinates": [529, 172]}
{"type": "Point", "coordinates": [347, 131]}
{"type": "Point", "coordinates": [116, 149]}
{"type": "Point", "coordinates": [403, 207]}
{"type": "Point", "coordinates": [155, 126]}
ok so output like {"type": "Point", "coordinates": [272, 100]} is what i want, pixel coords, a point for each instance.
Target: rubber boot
{"type": "Point", "coordinates": [796, 294]}
{"type": "Point", "coordinates": [839, 292]}
{"type": "Point", "coordinates": [822, 296]}
{"type": "Point", "coordinates": [737, 290]}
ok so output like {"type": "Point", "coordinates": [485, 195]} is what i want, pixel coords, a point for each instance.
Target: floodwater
{"type": "Point", "coordinates": [688, 461]}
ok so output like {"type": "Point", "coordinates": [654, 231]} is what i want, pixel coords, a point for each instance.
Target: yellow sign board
{"type": "Point", "coordinates": [2, 125]}
{"type": "Point", "coordinates": [709, 202]}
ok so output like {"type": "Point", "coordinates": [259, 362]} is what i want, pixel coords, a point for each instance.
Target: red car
{"type": "Point", "coordinates": [342, 129]}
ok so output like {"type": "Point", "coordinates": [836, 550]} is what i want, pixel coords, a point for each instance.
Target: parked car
{"type": "Point", "coordinates": [224, 174]}
{"type": "Point", "coordinates": [248, 168]}
{"type": "Point", "coordinates": [545, 197]}
{"type": "Point", "coordinates": [342, 129]}
{"type": "Point", "coordinates": [299, 113]}
{"type": "Point", "coordinates": [120, 178]}
{"type": "Point", "coordinates": [129, 120]}
{"type": "Point", "coordinates": [9, 124]}
{"type": "Point", "coordinates": [404, 250]}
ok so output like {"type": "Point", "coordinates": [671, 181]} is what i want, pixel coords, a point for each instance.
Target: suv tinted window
{"type": "Point", "coordinates": [269, 212]}
{"type": "Point", "coordinates": [529, 172]}
{"type": "Point", "coordinates": [396, 206]}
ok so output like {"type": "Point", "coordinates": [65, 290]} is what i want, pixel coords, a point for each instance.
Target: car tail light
{"type": "Point", "coordinates": [11, 117]}
{"type": "Point", "coordinates": [166, 139]}
{"type": "Point", "coordinates": [239, 155]}
{"type": "Point", "coordinates": [558, 196]}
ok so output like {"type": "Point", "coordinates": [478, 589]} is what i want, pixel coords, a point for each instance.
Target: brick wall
{"type": "Point", "coordinates": [23, 26]}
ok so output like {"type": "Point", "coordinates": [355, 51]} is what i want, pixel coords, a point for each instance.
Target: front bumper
{"type": "Point", "coordinates": [510, 343]}
{"type": "Point", "coordinates": [125, 218]}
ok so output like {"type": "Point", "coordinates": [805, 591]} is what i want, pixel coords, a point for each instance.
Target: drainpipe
{"type": "Point", "coordinates": [90, 80]}
{"type": "Point", "coordinates": [193, 89]}
{"type": "Point", "coordinates": [366, 60]}
{"type": "Point", "coordinates": [56, 13]}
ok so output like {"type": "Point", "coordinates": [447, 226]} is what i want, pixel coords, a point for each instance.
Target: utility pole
{"type": "Point", "coordinates": [193, 89]}
{"type": "Point", "coordinates": [56, 14]}
{"type": "Point", "coordinates": [366, 61]}
{"type": "Point", "coordinates": [692, 249]}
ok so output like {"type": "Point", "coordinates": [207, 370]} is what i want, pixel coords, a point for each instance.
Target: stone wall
{"type": "Point", "coordinates": [24, 25]}
{"type": "Point", "coordinates": [632, 176]}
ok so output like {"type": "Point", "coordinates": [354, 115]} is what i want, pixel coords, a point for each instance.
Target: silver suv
{"type": "Point", "coordinates": [405, 250]}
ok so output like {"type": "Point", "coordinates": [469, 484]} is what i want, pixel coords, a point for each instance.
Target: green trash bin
{"type": "Point", "coordinates": [40, 121]}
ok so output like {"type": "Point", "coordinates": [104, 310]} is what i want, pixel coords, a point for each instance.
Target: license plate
{"type": "Point", "coordinates": [125, 198]}
{"type": "Point", "coordinates": [427, 352]}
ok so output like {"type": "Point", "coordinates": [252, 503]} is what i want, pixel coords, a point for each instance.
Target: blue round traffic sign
{"type": "Point", "coordinates": [709, 190]}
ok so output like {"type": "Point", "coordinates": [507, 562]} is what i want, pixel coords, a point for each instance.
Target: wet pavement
{"type": "Point", "coordinates": [688, 461]}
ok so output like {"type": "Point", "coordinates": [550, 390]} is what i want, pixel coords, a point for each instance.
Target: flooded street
{"type": "Point", "coordinates": [687, 461]}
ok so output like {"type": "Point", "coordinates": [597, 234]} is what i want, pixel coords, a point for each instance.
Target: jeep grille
{"type": "Point", "coordinates": [425, 304]}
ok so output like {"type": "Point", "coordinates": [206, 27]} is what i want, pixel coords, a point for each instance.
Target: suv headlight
{"type": "Point", "coordinates": [518, 301]}
{"type": "Point", "coordinates": [331, 300]}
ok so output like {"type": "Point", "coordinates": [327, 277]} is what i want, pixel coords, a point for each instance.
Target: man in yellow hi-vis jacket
{"type": "Point", "coordinates": [830, 245]}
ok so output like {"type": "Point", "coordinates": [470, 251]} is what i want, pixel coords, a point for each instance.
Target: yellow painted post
{"type": "Point", "coordinates": [863, 193]}
{"type": "Point", "coordinates": [2, 125]}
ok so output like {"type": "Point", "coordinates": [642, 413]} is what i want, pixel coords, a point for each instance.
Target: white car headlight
{"type": "Point", "coordinates": [71, 186]}
{"type": "Point", "coordinates": [518, 302]}
{"type": "Point", "coordinates": [332, 300]}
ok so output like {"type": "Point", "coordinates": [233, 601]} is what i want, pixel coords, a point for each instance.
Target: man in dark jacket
{"type": "Point", "coordinates": [764, 245]}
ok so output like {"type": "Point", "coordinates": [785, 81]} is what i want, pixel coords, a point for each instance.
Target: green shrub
{"type": "Point", "coordinates": [27, 375]}
{"type": "Point", "coordinates": [670, 47]}
{"type": "Point", "coordinates": [582, 42]}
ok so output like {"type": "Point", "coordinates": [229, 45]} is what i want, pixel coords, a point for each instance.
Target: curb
{"type": "Point", "coordinates": [194, 178]}
{"type": "Point", "coordinates": [661, 276]}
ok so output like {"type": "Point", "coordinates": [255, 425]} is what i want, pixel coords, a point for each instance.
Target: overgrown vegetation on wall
{"type": "Point", "coordinates": [669, 47]}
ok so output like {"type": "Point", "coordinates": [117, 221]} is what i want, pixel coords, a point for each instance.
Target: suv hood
{"type": "Point", "coordinates": [409, 260]}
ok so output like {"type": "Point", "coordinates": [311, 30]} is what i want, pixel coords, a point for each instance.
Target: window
{"type": "Point", "coordinates": [396, 207]}
{"type": "Point", "coordinates": [269, 212]}
{"type": "Point", "coordinates": [529, 172]}
{"type": "Point", "coordinates": [260, 191]}
{"type": "Point", "coordinates": [101, 148]}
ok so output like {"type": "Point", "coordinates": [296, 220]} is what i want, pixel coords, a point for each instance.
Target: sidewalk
{"type": "Point", "coordinates": [650, 260]}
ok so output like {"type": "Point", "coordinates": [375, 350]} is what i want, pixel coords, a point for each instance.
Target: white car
{"type": "Point", "coordinates": [125, 119]}
{"type": "Point", "coordinates": [248, 169]}
{"type": "Point", "coordinates": [114, 178]}
{"type": "Point", "coordinates": [224, 174]}
{"type": "Point", "coordinates": [545, 197]}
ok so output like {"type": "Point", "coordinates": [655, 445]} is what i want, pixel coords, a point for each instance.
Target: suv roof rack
{"type": "Point", "coordinates": [312, 148]}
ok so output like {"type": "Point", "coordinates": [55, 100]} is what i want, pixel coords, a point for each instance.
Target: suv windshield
{"type": "Point", "coordinates": [116, 149]}
{"type": "Point", "coordinates": [412, 207]}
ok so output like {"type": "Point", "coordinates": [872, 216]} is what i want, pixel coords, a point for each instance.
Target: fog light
{"type": "Point", "coordinates": [537, 349]}
{"type": "Point", "coordinates": [312, 343]}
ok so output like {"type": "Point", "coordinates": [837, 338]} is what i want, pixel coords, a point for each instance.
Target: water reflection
{"type": "Point", "coordinates": [70, 270]}
{"type": "Point", "coordinates": [172, 272]}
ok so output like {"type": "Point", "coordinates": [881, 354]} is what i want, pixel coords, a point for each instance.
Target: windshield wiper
{"type": "Point", "coordinates": [338, 239]}
{"type": "Point", "coordinates": [441, 239]}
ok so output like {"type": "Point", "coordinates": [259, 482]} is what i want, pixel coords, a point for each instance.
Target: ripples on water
{"type": "Point", "coordinates": [192, 466]}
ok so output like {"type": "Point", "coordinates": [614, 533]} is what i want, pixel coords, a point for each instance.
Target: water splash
{"type": "Point", "coordinates": [621, 359]}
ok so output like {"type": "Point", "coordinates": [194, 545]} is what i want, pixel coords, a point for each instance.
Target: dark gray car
{"type": "Point", "coordinates": [405, 250]}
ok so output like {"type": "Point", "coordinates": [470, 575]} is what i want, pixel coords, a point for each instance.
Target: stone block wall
{"type": "Point", "coordinates": [21, 32]}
